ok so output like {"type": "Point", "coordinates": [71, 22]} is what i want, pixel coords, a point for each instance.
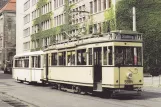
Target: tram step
{"type": "Point", "coordinates": [97, 86]}
{"type": "Point", "coordinates": [98, 90]}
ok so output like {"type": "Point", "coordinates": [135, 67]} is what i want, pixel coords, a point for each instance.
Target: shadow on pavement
{"type": "Point", "coordinates": [144, 96]}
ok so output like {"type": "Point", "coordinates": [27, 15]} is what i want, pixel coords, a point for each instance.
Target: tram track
{"type": "Point", "coordinates": [145, 100]}
{"type": "Point", "coordinates": [124, 102]}
{"type": "Point", "coordinates": [13, 101]}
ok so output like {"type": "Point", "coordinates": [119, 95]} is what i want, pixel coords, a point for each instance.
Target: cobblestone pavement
{"type": "Point", "coordinates": [44, 96]}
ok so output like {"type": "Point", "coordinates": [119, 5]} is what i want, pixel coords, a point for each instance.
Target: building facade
{"type": "Point", "coordinates": [7, 33]}
{"type": "Point", "coordinates": [44, 22]}
{"type": "Point", "coordinates": [2, 3]}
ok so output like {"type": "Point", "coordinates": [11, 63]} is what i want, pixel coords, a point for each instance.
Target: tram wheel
{"type": "Point", "coordinates": [59, 87]}
{"type": "Point", "coordinates": [77, 90]}
{"type": "Point", "coordinates": [107, 94]}
{"type": "Point", "coordinates": [20, 81]}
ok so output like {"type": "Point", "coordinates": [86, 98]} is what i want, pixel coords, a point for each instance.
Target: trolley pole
{"type": "Point", "coordinates": [134, 19]}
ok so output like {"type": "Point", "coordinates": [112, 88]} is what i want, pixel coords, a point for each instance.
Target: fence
{"type": "Point", "coordinates": [152, 81]}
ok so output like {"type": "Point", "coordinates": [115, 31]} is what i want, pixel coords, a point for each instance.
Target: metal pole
{"type": "Point", "coordinates": [134, 19]}
{"type": "Point", "coordinates": [159, 80]}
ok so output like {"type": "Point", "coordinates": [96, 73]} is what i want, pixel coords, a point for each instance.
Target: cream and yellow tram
{"type": "Point", "coordinates": [110, 61]}
{"type": "Point", "coordinates": [28, 67]}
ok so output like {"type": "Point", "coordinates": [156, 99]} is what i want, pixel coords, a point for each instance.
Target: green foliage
{"type": "Point", "coordinates": [43, 18]}
{"type": "Point", "coordinates": [109, 16]}
{"type": "Point", "coordinates": [148, 22]}
{"type": "Point", "coordinates": [52, 31]}
{"type": "Point", "coordinates": [41, 3]}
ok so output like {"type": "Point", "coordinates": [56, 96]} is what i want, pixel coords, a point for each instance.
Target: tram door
{"type": "Point", "coordinates": [46, 67]}
{"type": "Point", "coordinates": [97, 68]}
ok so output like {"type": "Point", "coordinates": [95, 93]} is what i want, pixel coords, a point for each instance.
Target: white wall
{"type": "Point", "coordinates": [19, 26]}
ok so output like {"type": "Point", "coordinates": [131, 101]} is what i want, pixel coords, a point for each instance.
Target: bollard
{"type": "Point", "coordinates": [159, 80]}
{"type": "Point", "coordinates": [152, 80]}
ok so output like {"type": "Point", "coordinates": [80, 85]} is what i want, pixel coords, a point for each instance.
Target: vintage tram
{"type": "Point", "coordinates": [107, 62]}
{"type": "Point", "coordinates": [103, 63]}
{"type": "Point", "coordinates": [28, 67]}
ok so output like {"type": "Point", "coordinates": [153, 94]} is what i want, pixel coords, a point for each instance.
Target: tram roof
{"type": "Point", "coordinates": [29, 54]}
{"type": "Point", "coordinates": [125, 32]}
{"type": "Point", "coordinates": [132, 36]}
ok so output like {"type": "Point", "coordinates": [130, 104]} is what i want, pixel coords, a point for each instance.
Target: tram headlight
{"type": "Point", "coordinates": [129, 75]}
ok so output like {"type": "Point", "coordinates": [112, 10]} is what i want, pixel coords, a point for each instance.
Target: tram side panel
{"type": "Point", "coordinates": [22, 74]}
{"type": "Point", "coordinates": [72, 75]}
{"type": "Point", "coordinates": [130, 76]}
{"type": "Point", "coordinates": [37, 73]}
{"type": "Point", "coordinates": [108, 77]}
{"type": "Point", "coordinates": [115, 77]}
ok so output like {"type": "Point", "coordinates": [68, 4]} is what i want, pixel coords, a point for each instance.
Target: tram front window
{"type": "Point", "coordinates": [128, 56]}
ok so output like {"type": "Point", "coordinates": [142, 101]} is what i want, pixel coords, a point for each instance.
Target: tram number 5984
{"type": "Point", "coordinates": [128, 81]}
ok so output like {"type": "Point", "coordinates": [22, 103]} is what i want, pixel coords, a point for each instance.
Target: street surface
{"type": "Point", "coordinates": [43, 96]}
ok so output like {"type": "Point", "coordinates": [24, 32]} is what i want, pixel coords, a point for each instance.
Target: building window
{"type": "Point", "coordinates": [104, 4]}
{"type": "Point", "coordinates": [99, 5]}
{"type": "Point", "coordinates": [95, 6]}
{"type": "Point", "coordinates": [26, 32]}
{"type": "Point", "coordinates": [27, 5]}
{"type": "Point", "coordinates": [26, 46]}
{"type": "Point", "coordinates": [90, 29]}
{"type": "Point", "coordinates": [109, 3]}
{"type": "Point", "coordinates": [58, 3]}
{"type": "Point", "coordinates": [27, 18]}
{"type": "Point", "coordinates": [46, 8]}
{"type": "Point", "coordinates": [95, 28]}
{"type": "Point", "coordinates": [34, 2]}
{"type": "Point", "coordinates": [91, 7]}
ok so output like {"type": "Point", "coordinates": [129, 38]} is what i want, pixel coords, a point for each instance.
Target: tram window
{"type": "Point", "coordinates": [119, 56]}
{"type": "Point", "coordinates": [18, 62]}
{"type": "Point", "coordinates": [71, 57]}
{"type": "Point", "coordinates": [139, 56]}
{"type": "Point", "coordinates": [54, 59]}
{"type": "Point", "coordinates": [105, 55]}
{"type": "Point", "coordinates": [33, 61]}
{"type": "Point", "coordinates": [81, 57]}
{"type": "Point", "coordinates": [62, 58]}
{"type": "Point", "coordinates": [39, 61]}
{"type": "Point", "coordinates": [36, 61]}
{"type": "Point", "coordinates": [110, 56]}
{"type": "Point", "coordinates": [90, 56]}
{"type": "Point", "coordinates": [44, 60]}
{"type": "Point", "coordinates": [26, 62]}
{"type": "Point", "coordinates": [128, 56]}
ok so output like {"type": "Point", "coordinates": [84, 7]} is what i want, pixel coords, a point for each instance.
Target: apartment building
{"type": "Point", "coordinates": [2, 3]}
{"type": "Point", "coordinates": [7, 32]}
{"type": "Point", "coordinates": [41, 23]}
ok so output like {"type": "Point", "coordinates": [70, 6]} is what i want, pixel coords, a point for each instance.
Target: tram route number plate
{"type": "Point", "coordinates": [128, 81]}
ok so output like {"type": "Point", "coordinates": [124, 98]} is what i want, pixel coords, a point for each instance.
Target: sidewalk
{"type": "Point", "coordinates": [2, 103]}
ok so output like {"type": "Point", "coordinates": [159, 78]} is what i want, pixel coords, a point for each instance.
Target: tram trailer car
{"type": "Point", "coordinates": [28, 67]}
{"type": "Point", "coordinates": [104, 63]}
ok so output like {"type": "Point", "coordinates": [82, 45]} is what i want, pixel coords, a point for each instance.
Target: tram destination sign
{"type": "Point", "coordinates": [124, 36]}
